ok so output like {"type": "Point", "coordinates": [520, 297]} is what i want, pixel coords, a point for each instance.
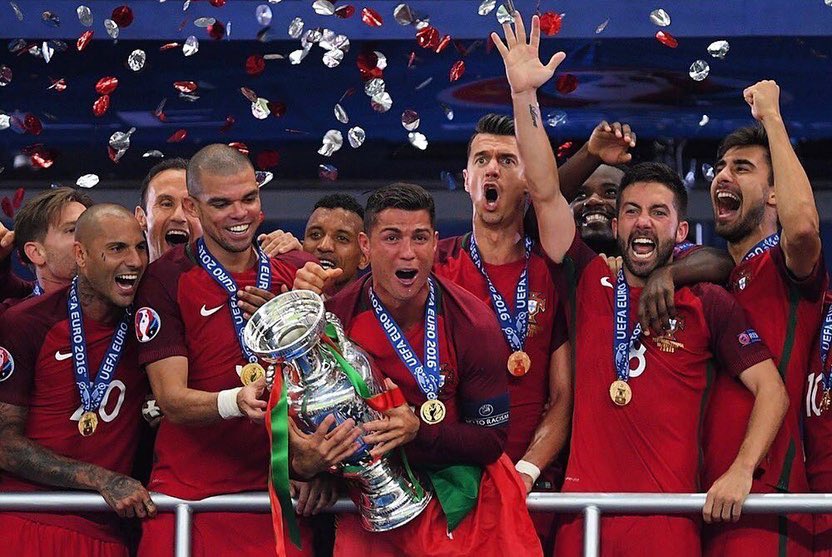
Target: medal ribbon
{"type": "Point", "coordinates": [277, 427]}
{"type": "Point", "coordinates": [93, 393]}
{"type": "Point", "coordinates": [227, 283]}
{"type": "Point", "coordinates": [762, 246]}
{"type": "Point", "coordinates": [515, 326]}
{"type": "Point", "coordinates": [427, 375]}
{"type": "Point", "coordinates": [825, 344]}
{"type": "Point", "coordinates": [622, 343]}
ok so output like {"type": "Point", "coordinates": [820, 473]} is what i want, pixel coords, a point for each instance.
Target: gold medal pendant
{"type": "Point", "coordinates": [621, 393]}
{"type": "Point", "coordinates": [251, 373]}
{"type": "Point", "coordinates": [519, 363]}
{"type": "Point", "coordinates": [87, 423]}
{"type": "Point", "coordinates": [432, 411]}
{"type": "Point", "coordinates": [825, 401]}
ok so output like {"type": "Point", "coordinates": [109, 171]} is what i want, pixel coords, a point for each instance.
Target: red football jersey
{"type": "Point", "coordinates": [817, 424]}
{"type": "Point", "coordinates": [651, 444]}
{"type": "Point", "coordinates": [183, 312]}
{"type": "Point", "coordinates": [787, 314]}
{"type": "Point", "coordinates": [547, 330]}
{"type": "Point", "coordinates": [37, 372]}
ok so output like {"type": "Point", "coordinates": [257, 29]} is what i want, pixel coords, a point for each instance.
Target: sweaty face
{"type": "Point", "coordinates": [494, 179]}
{"type": "Point", "coordinates": [594, 206]}
{"type": "Point", "coordinates": [166, 222]}
{"type": "Point", "coordinates": [648, 227]}
{"type": "Point", "coordinates": [58, 250]}
{"type": "Point", "coordinates": [114, 261]}
{"type": "Point", "coordinates": [739, 191]}
{"type": "Point", "coordinates": [332, 236]}
{"type": "Point", "coordinates": [400, 247]}
{"type": "Point", "coordinates": [228, 208]}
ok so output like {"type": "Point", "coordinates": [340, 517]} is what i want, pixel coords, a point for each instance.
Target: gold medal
{"type": "Point", "coordinates": [621, 393]}
{"type": "Point", "coordinates": [251, 373]}
{"type": "Point", "coordinates": [519, 363]}
{"type": "Point", "coordinates": [87, 423]}
{"type": "Point", "coordinates": [825, 401]}
{"type": "Point", "coordinates": [432, 411]}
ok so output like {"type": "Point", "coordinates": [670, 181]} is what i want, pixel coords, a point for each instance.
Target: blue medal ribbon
{"type": "Point", "coordinates": [222, 277]}
{"type": "Point", "coordinates": [762, 246]}
{"type": "Point", "coordinates": [37, 290]}
{"type": "Point", "coordinates": [92, 393]}
{"type": "Point", "coordinates": [427, 374]}
{"type": "Point", "coordinates": [515, 326]}
{"type": "Point", "coordinates": [825, 344]}
{"type": "Point", "coordinates": [622, 342]}
{"type": "Point", "coordinates": [682, 247]}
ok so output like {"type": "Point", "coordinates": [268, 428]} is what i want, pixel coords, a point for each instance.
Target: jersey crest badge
{"type": "Point", "coordinates": [742, 280]}
{"type": "Point", "coordinates": [148, 323]}
{"type": "Point", "coordinates": [6, 364]}
{"type": "Point", "coordinates": [537, 305]}
{"type": "Point", "coordinates": [667, 342]}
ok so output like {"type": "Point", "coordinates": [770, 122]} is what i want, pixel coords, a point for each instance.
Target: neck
{"type": "Point", "coordinates": [232, 261]}
{"type": "Point", "coordinates": [499, 244]}
{"type": "Point", "coordinates": [633, 280]}
{"type": "Point", "coordinates": [741, 247]}
{"type": "Point", "coordinates": [405, 313]}
{"type": "Point", "coordinates": [48, 282]}
{"type": "Point", "coordinates": [95, 306]}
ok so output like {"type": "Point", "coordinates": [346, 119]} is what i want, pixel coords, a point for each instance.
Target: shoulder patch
{"type": "Point", "coordinates": [148, 323]}
{"type": "Point", "coordinates": [748, 337]}
{"type": "Point", "coordinates": [6, 364]}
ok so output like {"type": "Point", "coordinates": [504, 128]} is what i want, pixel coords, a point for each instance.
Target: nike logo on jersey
{"type": "Point", "coordinates": [61, 357]}
{"type": "Point", "coordinates": [205, 312]}
{"type": "Point", "coordinates": [605, 281]}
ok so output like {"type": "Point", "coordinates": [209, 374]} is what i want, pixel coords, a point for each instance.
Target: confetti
{"type": "Point", "coordinates": [84, 15]}
{"type": "Point", "coordinates": [136, 60]}
{"type": "Point", "coordinates": [204, 22]}
{"type": "Point", "coordinates": [229, 122]}
{"type": "Point", "coordinates": [333, 140]}
{"type": "Point", "coordinates": [424, 84]}
{"type": "Point", "coordinates": [381, 102]}
{"type": "Point", "coordinates": [262, 177]}
{"type": "Point", "coordinates": [410, 120]}
{"type": "Point", "coordinates": [341, 114]}
{"type": "Point", "coordinates": [486, 7]}
{"type": "Point", "coordinates": [87, 181]}
{"type": "Point", "coordinates": [112, 28]}
{"type": "Point", "coordinates": [418, 140]}
{"type": "Point", "coordinates": [106, 85]}
{"type": "Point", "coordinates": [566, 83]}
{"type": "Point", "coordinates": [58, 85]}
{"type": "Point", "coordinates": [101, 105]}
{"type": "Point", "coordinates": [18, 14]}
{"type": "Point", "coordinates": [123, 16]}
{"type": "Point", "coordinates": [327, 172]}
{"type": "Point", "coordinates": [267, 159]}
{"type": "Point", "coordinates": [153, 154]}
{"type": "Point", "coordinates": [332, 58]}
{"type": "Point", "coordinates": [17, 200]}
{"type": "Point", "coordinates": [323, 7]}
{"type": "Point", "coordinates": [345, 12]}
{"type": "Point", "coordinates": [660, 17]}
{"type": "Point", "coordinates": [120, 141]}
{"type": "Point", "coordinates": [403, 15]}
{"type": "Point", "coordinates": [457, 70]}
{"type": "Point", "coordinates": [296, 28]}
{"type": "Point", "coordinates": [371, 17]}
{"type": "Point", "coordinates": [704, 121]}
{"type": "Point", "coordinates": [32, 125]}
{"type": "Point", "coordinates": [699, 70]}
{"type": "Point", "coordinates": [446, 40]}
{"type": "Point", "coordinates": [255, 65]}
{"type": "Point", "coordinates": [718, 49]}
{"type": "Point", "coordinates": [5, 121]}
{"type": "Point", "coordinates": [263, 14]}
{"type": "Point", "coordinates": [667, 39]}
{"type": "Point", "coordinates": [356, 136]}
{"type": "Point", "coordinates": [191, 46]}
{"type": "Point", "coordinates": [5, 75]}
{"type": "Point", "coordinates": [217, 31]}
{"type": "Point", "coordinates": [708, 171]}
{"type": "Point", "coordinates": [550, 23]}
{"type": "Point", "coordinates": [563, 149]}
{"type": "Point", "coordinates": [297, 56]}
{"type": "Point", "coordinates": [260, 109]}
{"type": "Point", "coordinates": [178, 136]}
{"type": "Point", "coordinates": [449, 112]}
{"type": "Point", "coordinates": [503, 15]}
{"type": "Point", "coordinates": [428, 37]}
{"type": "Point", "coordinates": [50, 19]}
{"type": "Point", "coordinates": [185, 86]}
{"type": "Point", "coordinates": [218, 3]}
{"type": "Point", "coordinates": [554, 119]}
{"type": "Point", "coordinates": [374, 87]}
{"type": "Point", "coordinates": [602, 26]}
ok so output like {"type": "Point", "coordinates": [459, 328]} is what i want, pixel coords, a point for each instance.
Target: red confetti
{"type": "Point", "coordinates": [58, 85]}
{"type": "Point", "coordinates": [267, 159]}
{"type": "Point", "coordinates": [457, 70]}
{"type": "Point", "coordinates": [345, 11]}
{"type": "Point", "coordinates": [106, 85]}
{"type": "Point", "coordinates": [216, 30]}
{"type": "Point", "coordinates": [277, 108]}
{"type": "Point", "coordinates": [566, 83]}
{"type": "Point", "coordinates": [114, 155]}
{"type": "Point", "coordinates": [255, 65]}
{"type": "Point", "coordinates": [6, 204]}
{"type": "Point", "coordinates": [367, 62]}
{"type": "Point", "coordinates": [39, 155]}
{"type": "Point", "coordinates": [371, 17]}
{"type": "Point", "coordinates": [667, 39]}
{"type": "Point", "coordinates": [84, 40]}
{"type": "Point", "coordinates": [229, 121]}
{"type": "Point", "coordinates": [168, 46]}
{"type": "Point", "coordinates": [428, 37]}
{"type": "Point", "coordinates": [101, 105]}
{"type": "Point", "coordinates": [159, 113]}
{"type": "Point", "coordinates": [17, 200]}
{"type": "Point", "coordinates": [123, 16]}
{"type": "Point", "coordinates": [178, 135]}
{"type": "Point", "coordinates": [550, 23]}
{"type": "Point", "coordinates": [240, 146]}
{"type": "Point", "coordinates": [411, 60]}
{"type": "Point", "coordinates": [563, 149]}
{"type": "Point", "coordinates": [218, 3]}
{"type": "Point", "coordinates": [185, 86]}
{"type": "Point", "coordinates": [32, 125]}
{"type": "Point", "coordinates": [446, 40]}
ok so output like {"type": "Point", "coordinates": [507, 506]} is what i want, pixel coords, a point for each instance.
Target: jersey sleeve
{"type": "Point", "coordinates": [811, 287]}
{"type": "Point", "coordinates": [18, 356]}
{"type": "Point", "coordinates": [734, 342]}
{"type": "Point", "coordinates": [158, 321]}
{"type": "Point", "coordinates": [12, 286]}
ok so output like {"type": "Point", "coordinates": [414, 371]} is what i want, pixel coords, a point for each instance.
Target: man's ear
{"type": "Point", "coordinates": [615, 227]}
{"type": "Point", "coordinates": [141, 216]}
{"type": "Point", "coordinates": [465, 179]}
{"type": "Point", "coordinates": [682, 231]}
{"type": "Point", "coordinates": [189, 206]}
{"type": "Point", "coordinates": [80, 255]}
{"type": "Point", "coordinates": [35, 252]}
{"type": "Point", "coordinates": [364, 244]}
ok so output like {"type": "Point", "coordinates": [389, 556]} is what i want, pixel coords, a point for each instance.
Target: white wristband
{"type": "Point", "coordinates": [526, 467]}
{"type": "Point", "coordinates": [227, 404]}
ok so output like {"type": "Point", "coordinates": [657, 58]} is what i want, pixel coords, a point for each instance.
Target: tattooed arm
{"type": "Point", "coordinates": [27, 459]}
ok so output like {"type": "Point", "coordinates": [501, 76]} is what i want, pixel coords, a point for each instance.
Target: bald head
{"type": "Point", "coordinates": [216, 159]}
{"type": "Point", "coordinates": [91, 222]}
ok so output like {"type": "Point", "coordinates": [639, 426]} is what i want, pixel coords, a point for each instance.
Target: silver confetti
{"type": "Point", "coordinates": [87, 181]}
{"type": "Point", "coordinates": [263, 177]}
{"type": "Point", "coordinates": [228, 30]}
{"type": "Point", "coordinates": [356, 137]}
{"type": "Point", "coordinates": [708, 171]}
{"type": "Point", "coordinates": [275, 1]}
{"type": "Point", "coordinates": [424, 84]}
{"type": "Point", "coordinates": [5, 121]}
{"type": "Point", "coordinates": [660, 17]}
{"type": "Point", "coordinates": [153, 154]}
{"type": "Point", "coordinates": [311, 36]}
{"type": "Point", "coordinates": [204, 22]}
{"type": "Point", "coordinates": [260, 108]}
{"type": "Point", "coordinates": [323, 7]}
{"type": "Point", "coordinates": [273, 57]}
{"type": "Point", "coordinates": [827, 2]}
{"type": "Point", "coordinates": [84, 15]}
{"type": "Point", "coordinates": [554, 119]}
{"type": "Point", "coordinates": [331, 41]}
{"type": "Point", "coordinates": [333, 140]}
{"type": "Point", "coordinates": [18, 14]}
{"type": "Point", "coordinates": [136, 60]}
{"type": "Point", "coordinates": [341, 114]}
{"type": "Point", "coordinates": [381, 60]}
{"type": "Point", "coordinates": [296, 28]}
{"type": "Point", "coordinates": [374, 87]}
{"type": "Point", "coordinates": [186, 5]}
{"type": "Point", "coordinates": [410, 120]}
{"type": "Point", "coordinates": [191, 46]}
{"type": "Point", "coordinates": [332, 58]}
{"type": "Point", "coordinates": [112, 28]}
{"type": "Point", "coordinates": [718, 49]}
{"type": "Point", "coordinates": [263, 13]}
{"type": "Point", "coordinates": [403, 15]}
{"type": "Point", "coordinates": [449, 112]}
{"type": "Point", "coordinates": [5, 75]}
{"type": "Point", "coordinates": [705, 119]}
{"type": "Point", "coordinates": [418, 140]}
{"type": "Point", "coordinates": [486, 7]}
{"type": "Point", "coordinates": [327, 172]}
{"type": "Point", "coordinates": [120, 141]}
{"type": "Point", "coordinates": [51, 19]}
{"type": "Point", "coordinates": [699, 70]}
{"type": "Point", "coordinates": [381, 102]}
{"type": "Point", "coordinates": [47, 52]}
{"type": "Point", "coordinates": [602, 26]}
{"type": "Point", "coordinates": [503, 15]}
{"type": "Point", "coordinates": [297, 56]}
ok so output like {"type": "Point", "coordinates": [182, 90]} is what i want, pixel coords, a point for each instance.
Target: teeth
{"type": "Point", "coordinates": [177, 233]}
{"type": "Point", "coordinates": [127, 277]}
{"type": "Point", "coordinates": [643, 241]}
{"type": "Point", "coordinates": [239, 228]}
{"type": "Point", "coordinates": [596, 217]}
{"type": "Point", "coordinates": [327, 264]}
{"type": "Point", "coordinates": [727, 195]}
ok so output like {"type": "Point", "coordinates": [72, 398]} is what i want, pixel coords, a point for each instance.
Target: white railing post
{"type": "Point", "coordinates": [182, 530]}
{"type": "Point", "coordinates": [592, 531]}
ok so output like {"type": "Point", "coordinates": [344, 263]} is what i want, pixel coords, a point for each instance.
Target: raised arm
{"type": "Point", "coordinates": [526, 73]}
{"type": "Point", "coordinates": [800, 237]}
{"type": "Point", "coordinates": [608, 144]}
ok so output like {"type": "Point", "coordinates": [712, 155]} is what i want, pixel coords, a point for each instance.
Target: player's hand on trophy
{"type": "Point", "coordinates": [315, 278]}
{"type": "Point", "coordinates": [311, 454]}
{"type": "Point", "coordinates": [764, 99]}
{"type": "Point", "coordinates": [398, 427]}
{"type": "Point", "coordinates": [317, 494]}
{"type": "Point", "coordinates": [278, 242]}
{"type": "Point", "coordinates": [725, 498]}
{"type": "Point", "coordinates": [656, 306]}
{"type": "Point", "coordinates": [251, 298]}
{"type": "Point", "coordinates": [524, 70]}
{"type": "Point", "coordinates": [611, 142]}
{"type": "Point", "coordinates": [125, 495]}
{"type": "Point", "coordinates": [250, 400]}
{"type": "Point", "coordinates": [6, 242]}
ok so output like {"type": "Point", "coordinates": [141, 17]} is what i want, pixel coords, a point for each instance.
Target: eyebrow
{"type": "Point", "coordinates": [321, 228]}
{"type": "Point", "coordinates": [499, 154]}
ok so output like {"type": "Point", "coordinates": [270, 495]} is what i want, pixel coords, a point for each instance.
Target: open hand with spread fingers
{"type": "Point", "coordinates": [524, 70]}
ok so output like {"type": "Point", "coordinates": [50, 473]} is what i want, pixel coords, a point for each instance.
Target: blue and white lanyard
{"type": "Point", "coordinates": [622, 341]}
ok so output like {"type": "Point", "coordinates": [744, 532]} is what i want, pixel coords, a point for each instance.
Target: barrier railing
{"type": "Point", "coordinates": [592, 505]}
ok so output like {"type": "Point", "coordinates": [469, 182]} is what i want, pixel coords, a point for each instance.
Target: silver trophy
{"type": "Point", "coordinates": [289, 329]}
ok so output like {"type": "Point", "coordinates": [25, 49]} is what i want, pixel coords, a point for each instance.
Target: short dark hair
{"type": "Point", "coordinates": [655, 172]}
{"type": "Point", "coordinates": [493, 124]}
{"type": "Point", "coordinates": [399, 195]}
{"type": "Point", "coordinates": [340, 201]}
{"type": "Point", "coordinates": [749, 136]}
{"type": "Point", "coordinates": [31, 224]}
{"type": "Point", "coordinates": [167, 164]}
{"type": "Point", "coordinates": [215, 159]}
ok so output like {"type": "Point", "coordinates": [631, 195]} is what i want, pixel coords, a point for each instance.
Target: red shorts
{"type": "Point", "coordinates": [634, 536]}
{"type": "Point", "coordinates": [24, 538]}
{"type": "Point", "coordinates": [238, 534]}
{"type": "Point", "coordinates": [760, 535]}
{"type": "Point", "coordinates": [823, 535]}
{"type": "Point", "coordinates": [499, 526]}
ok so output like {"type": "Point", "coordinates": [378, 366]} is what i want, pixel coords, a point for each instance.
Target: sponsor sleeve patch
{"type": "Point", "coordinates": [6, 364]}
{"type": "Point", "coordinates": [147, 323]}
{"type": "Point", "coordinates": [748, 337]}
{"type": "Point", "coordinates": [486, 413]}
